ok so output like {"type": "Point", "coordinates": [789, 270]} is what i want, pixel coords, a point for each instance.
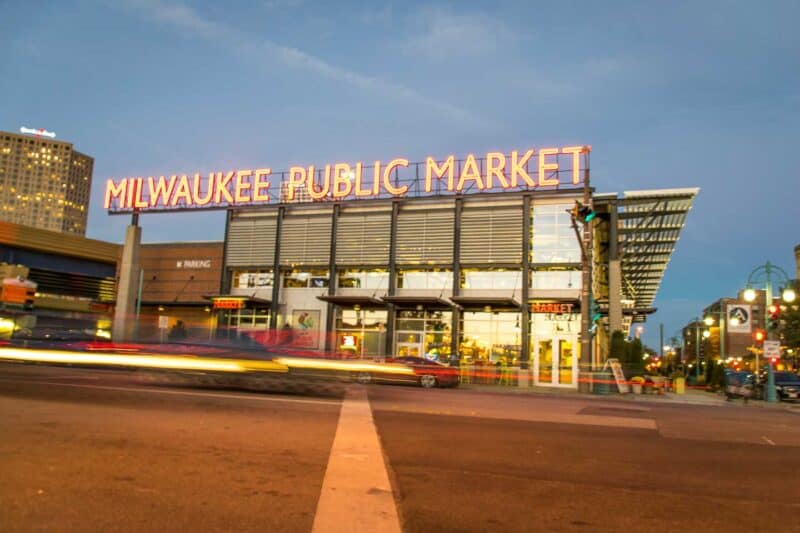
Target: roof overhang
{"type": "Point", "coordinates": [352, 300]}
{"type": "Point", "coordinates": [496, 303]}
{"type": "Point", "coordinates": [650, 223]}
{"type": "Point", "coordinates": [429, 302]}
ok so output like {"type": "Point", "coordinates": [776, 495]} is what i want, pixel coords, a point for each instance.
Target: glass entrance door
{"type": "Point", "coordinates": [555, 362]}
{"type": "Point", "coordinates": [409, 349]}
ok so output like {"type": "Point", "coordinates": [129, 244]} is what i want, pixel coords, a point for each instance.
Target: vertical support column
{"type": "Point", "coordinates": [455, 327]}
{"type": "Point", "coordinates": [122, 329]}
{"type": "Point", "coordinates": [585, 366]}
{"type": "Point", "coordinates": [525, 317]}
{"type": "Point", "coordinates": [276, 272]}
{"type": "Point", "coordinates": [332, 279]}
{"type": "Point", "coordinates": [225, 280]}
{"type": "Point", "coordinates": [389, 341]}
{"type": "Point", "coordinates": [614, 272]}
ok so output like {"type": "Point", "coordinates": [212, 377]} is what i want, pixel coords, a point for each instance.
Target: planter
{"type": "Point", "coordinates": [636, 388]}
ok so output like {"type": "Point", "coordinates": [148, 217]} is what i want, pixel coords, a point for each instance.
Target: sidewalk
{"type": "Point", "coordinates": [690, 397]}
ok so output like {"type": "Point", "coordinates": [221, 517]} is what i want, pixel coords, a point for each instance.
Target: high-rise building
{"type": "Point", "coordinates": [44, 183]}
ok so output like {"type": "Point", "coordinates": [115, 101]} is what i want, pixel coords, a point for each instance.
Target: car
{"type": "Point", "coordinates": [425, 373]}
{"type": "Point", "coordinates": [787, 386]}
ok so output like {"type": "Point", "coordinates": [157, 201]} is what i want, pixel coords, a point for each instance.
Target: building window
{"type": "Point", "coordinates": [360, 333]}
{"type": "Point", "coordinates": [556, 279]}
{"type": "Point", "coordinates": [364, 279]}
{"type": "Point", "coordinates": [434, 278]}
{"type": "Point", "coordinates": [306, 278]}
{"type": "Point", "coordinates": [553, 240]}
{"type": "Point", "coordinates": [251, 279]}
{"type": "Point", "coordinates": [423, 333]}
{"type": "Point", "coordinates": [473, 278]}
{"type": "Point", "coordinates": [490, 338]}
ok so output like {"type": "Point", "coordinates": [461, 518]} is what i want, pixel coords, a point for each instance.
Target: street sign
{"type": "Point", "coordinates": [772, 349]}
{"type": "Point", "coordinates": [163, 321]}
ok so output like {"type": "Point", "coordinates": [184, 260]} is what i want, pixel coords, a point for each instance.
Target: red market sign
{"type": "Point", "coordinates": [530, 169]}
{"type": "Point", "coordinates": [228, 303]}
{"type": "Point", "coordinates": [552, 307]}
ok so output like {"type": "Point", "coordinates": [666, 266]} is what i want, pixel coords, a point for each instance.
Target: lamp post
{"type": "Point", "coordinates": [706, 334]}
{"type": "Point", "coordinates": [763, 274]}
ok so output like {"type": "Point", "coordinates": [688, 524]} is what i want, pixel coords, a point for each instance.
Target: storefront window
{"type": "Point", "coordinates": [246, 318]}
{"type": "Point", "coordinates": [360, 333]}
{"type": "Point", "coordinates": [553, 239]}
{"type": "Point", "coordinates": [309, 278]}
{"type": "Point", "coordinates": [490, 338]}
{"type": "Point", "coordinates": [556, 279]}
{"type": "Point", "coordinates": [364, 279]}
{"type": "Point", "coordinates": [425, 279]}
{"type": "Point", "coordinates": [473, 278]}
{"type": "Point", "coordinates": [249, 279]}
{"type": "Point", "coordinates": [424, 333]}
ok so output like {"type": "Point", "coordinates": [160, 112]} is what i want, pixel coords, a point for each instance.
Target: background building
{"type": "Point", "coordinates": [177, 281]}
{"type": "Point", "coordinates": [75, 277]}
{"type": "Point", "coordinates": [44, 183]}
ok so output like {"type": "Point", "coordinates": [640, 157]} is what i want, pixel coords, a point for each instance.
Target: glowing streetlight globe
{"type": "Point", "coordinates": [749, 295]}
{"type": "Point", "coordinates": [706, 334]}
{"type": "Point", "coordinates": [788, 295]}
{"type": "Point", "coordinates": [708, 320]}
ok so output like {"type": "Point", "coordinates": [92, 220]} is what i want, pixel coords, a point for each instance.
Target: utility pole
{"type": "Point", "coordinates": [586, 360]}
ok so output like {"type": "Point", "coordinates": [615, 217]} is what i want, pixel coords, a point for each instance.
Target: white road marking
{"type": "Point", "coordinates": [176, 392]}
{"type": "Point", "coordinates": [768, 440]}
{"type": "Point", "coordinates": [356, 493]}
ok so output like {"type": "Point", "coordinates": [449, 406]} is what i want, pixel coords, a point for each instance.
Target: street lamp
{"type": "Point", "coordinates": [763, 274]}
{"type": "Point", "coordinates": [706, 334]}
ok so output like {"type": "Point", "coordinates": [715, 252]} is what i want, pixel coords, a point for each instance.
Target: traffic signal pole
{"type": "Point", "coordinates": [771, 397]}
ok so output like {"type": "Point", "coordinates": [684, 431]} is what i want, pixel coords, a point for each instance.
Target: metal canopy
{"type": "Point", "coordinates": [650, 223]}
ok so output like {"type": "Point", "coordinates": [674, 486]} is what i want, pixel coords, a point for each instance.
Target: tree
{"type": "Point", "coordinates": [617, 348]}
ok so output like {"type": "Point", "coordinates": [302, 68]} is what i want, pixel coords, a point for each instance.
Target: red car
{"type": "Point", "coordinates": [427, 373]}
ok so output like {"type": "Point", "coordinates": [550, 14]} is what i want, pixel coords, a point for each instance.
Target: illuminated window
{"type": "Point", "coordinates": [435, 278]}
{"type": "Point", "coordinates": [553, 239]}
{"type": "Point", "coordinates": [473, 278]}
{"type": "Point", "coordinates": [312, 279]}
{"type": "Point", "coordinates": [364, 279]}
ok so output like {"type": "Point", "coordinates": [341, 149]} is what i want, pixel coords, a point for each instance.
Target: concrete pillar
{"type": "Point", "coordinates": [614, 272]}
{"type": "Point", "coordinates": [128, 287]}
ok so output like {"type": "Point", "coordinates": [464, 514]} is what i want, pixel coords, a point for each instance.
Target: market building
{"type": "Point", "coordinates": [472, 261]}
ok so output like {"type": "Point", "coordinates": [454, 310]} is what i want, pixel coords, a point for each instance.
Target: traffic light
{"type": "Point", "coordinates": [594, 315]}
{"type": "Point", "coordinates": [583, 213]}
{"type": "Point", "coordinates": [758, 336]}
{"type": "Point", "coordinates": [774, 318]}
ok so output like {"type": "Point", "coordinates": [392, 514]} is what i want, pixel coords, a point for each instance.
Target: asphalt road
{"type": "Point", "coordinates": [93, 450]}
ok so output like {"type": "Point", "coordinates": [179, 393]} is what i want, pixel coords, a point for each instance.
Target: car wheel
{"type": "Point", "coordinates": [427, 381]}
{"type": "Point", "coordinates": [364, 378]}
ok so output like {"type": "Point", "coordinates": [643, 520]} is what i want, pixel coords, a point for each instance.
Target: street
{"type": "Point", "coordinates": [99, 450]}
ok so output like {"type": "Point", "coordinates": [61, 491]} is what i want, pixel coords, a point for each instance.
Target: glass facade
{"type": "Point", "coordinates": [360, 333]}
{"type": "Point", "coordinates": [364, 279]}
{"type": "Point", "coordinates": [435, 278]}
{"type": "Point", "coordinates": [424, 333]}
{"type": "Point", "coordinates": [251, 279]}
{"type": "Point", "coordinates": [556, 279]}
{"type": "Point", "coordinates": [554, 347]}
{"type": "Point", "coordinates": [473, 278]}
{"type": "Point", "coordinates": [553, 239]}
{"type": "Point", "coordinates": [305, 278]}
{"type": "Point", "coordinates": [490, 337]}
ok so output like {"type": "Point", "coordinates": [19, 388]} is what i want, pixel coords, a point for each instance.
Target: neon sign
{"type": "Point", "coordinates": [41, 132]}
{"type": "Point", "coordinates": [529, 169]}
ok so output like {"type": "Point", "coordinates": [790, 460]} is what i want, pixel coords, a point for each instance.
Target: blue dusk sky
{"type": "Point", "coordinates": [669, 94]}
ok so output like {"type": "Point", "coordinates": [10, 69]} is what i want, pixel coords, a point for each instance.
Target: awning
{"type": "Point", "coordinates": [349, 300]}
{"type": "Point", "coordinates": [496, 303]}
{"type": "Point", "coordinates": [428, 302]}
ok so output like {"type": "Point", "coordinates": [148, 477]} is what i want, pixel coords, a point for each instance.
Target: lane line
{"type": "Point", "coordinates": [356, 493]}
{"type": "Point", "coordinates": [175, 392]}
{"type": "Point", "coordinates": [768, 440]}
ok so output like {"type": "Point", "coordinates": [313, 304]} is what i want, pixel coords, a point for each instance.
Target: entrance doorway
{"type": "Point", "coordinates": [556, 361]}
{"type": "Point", "coordinates": [409, 344]}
